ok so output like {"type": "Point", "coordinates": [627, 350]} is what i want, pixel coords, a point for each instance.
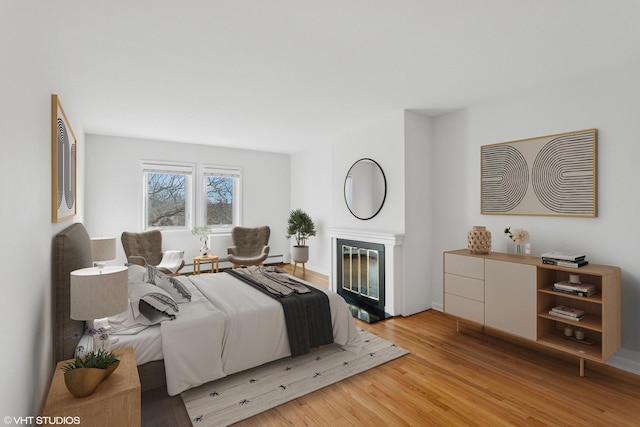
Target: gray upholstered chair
{"type": "Point", "coordinates": [145, 247]}
{"type": "Point", "coordinates": [250, 246]}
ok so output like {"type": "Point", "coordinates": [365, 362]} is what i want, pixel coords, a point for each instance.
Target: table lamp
{"type": "Point", "coordinates": [97, 293]}
{"type": "Point", "coordinates": [102, 249]}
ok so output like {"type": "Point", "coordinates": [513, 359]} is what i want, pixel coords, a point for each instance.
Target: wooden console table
{"type": "Point", "coordinates": [513, 294]}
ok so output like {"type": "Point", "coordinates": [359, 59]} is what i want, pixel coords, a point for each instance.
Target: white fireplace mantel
{"type": "Point", "coordinates": [393, 246]}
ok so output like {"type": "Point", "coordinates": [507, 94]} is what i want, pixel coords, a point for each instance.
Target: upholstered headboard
{"type": "Point", "coordinates": [71, 251]}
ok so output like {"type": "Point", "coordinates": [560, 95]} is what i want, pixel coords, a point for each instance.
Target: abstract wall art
{"type": "Point", "coordinates": [552, 175]}
{"type": "Point", "coordinates": [63, 164]}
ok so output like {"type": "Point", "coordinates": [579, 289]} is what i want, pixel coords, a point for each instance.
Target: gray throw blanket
{"type": "Point", "coordinates": [306, 309]}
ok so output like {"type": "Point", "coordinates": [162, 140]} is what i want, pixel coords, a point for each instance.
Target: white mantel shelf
{"type": "Point", "coordinates": [393, 248]}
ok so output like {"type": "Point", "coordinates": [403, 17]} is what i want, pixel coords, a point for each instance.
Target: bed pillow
{"type": "Point", "coordinates": [173, 285]}
{"type": "Point", "coordinates": [137, 273]}
{"type": "Point", "coordinates": [151, 304]}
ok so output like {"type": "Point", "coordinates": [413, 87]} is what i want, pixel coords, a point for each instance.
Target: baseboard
{"type": "Point", "coordinates": [627, 360]}
{"type": "Point", "coordinates": [437, 306]}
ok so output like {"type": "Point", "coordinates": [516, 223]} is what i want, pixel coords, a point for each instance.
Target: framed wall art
{"type": "Point", "coordinates": [552, 175]}
{"type": "Point", "coordinates": [63, 164]}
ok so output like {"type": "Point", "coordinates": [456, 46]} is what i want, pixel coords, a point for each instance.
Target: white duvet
{"type": "Point", "coordinates": [229, 326]}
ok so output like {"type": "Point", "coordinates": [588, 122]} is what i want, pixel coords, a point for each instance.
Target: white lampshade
{"type": "Point", "coordinates": [103, 248]}
{"type": "Point", "coordinates": [98, 293]}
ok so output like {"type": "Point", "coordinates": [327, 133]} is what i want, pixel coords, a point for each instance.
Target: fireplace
{"type": "Point", "coordinates": [361, 278]}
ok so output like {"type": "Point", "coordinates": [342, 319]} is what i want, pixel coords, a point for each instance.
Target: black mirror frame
{"type": "Point", "coordinates": [384, 197]}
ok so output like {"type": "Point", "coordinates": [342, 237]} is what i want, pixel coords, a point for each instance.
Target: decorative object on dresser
{"type": "Point", "coordinates": [551, 175]}
{"type": "Point", "coordinates": [516, 295]}
{"type": "Point", "coordinates": [97, 293]}
{"type": "Point", "coordinates": [564, 259]}
{"type": "Point", "coordinates": [519, 237]}
{"type": "Point", "coordinates": [479, 240]}
{"type": "Point", "coordinates": [63, 164]}
{"type": "Point", "coordinates": [203, 232]}
{"type": "Point", "coordinates": [250, 245]}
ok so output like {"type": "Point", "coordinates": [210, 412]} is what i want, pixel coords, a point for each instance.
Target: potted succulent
{"type": "Point", "coordinates": [84, 374]}
{"type": "Point", "coordinates": [300, 226]}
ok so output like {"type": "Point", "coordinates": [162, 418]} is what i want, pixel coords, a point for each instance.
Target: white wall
{"type": "Point", "coordinates": [32, 69]}
{"type": "Point", "coordinates": [311, 191]}
{"type": "Point", "coordinates": [608, 102]}
{"type": "Point", "coordinates": [114, 189]}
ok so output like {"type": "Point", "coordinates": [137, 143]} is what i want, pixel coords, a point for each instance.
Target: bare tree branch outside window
{"type": "Point", "coordinates": [219, 191]}
{"type": "Point", "coordinates": [166, 199]}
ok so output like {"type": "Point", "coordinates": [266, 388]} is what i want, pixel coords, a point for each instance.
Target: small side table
{"type": "Point", "coordinates": [116, 402]}
{"type": "Point", "coordinates": [213, 259]}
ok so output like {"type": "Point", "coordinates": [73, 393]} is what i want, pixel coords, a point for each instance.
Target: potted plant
{"type": "Point", "coordinates": [202, 231]}
{"type": "Point", "coordinates": [84, 374]}
{"type": "Point", "coordinates": [302, 227]}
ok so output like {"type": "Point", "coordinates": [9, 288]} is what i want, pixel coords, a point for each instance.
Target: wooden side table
{"type": "Point", "coordinates": [295, 265]}
{"type": "Point", "coordinates": [116, 402]}
{"type": "Point", "coordinates": [213, 259]}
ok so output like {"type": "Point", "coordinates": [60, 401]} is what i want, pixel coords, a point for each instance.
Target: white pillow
{"type": "Point", "coordinates": [137, 273]}
{"type": "Point", "coordinates": [172, 285]}
{"type": "Point", "coordinates": [150, 304]}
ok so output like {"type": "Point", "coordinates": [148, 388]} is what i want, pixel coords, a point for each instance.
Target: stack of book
{"type": "Point", "coordinates": [568, 313]}
{"type": "Point", "coordinates": [564, 259]}
{"type": "Point", "coordinates": [580, 289]}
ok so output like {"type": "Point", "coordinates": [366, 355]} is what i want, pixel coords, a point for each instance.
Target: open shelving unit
{"type": "Point", "coordinates": [601, 323]}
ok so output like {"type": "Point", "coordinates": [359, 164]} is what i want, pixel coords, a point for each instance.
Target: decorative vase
{"type": "Point", "coordinates": [479, 240]}
{"type": "Point", "coordinates": [519, 248]}
{"type": "Point", "coordinates": [82, 382]}
{"type": "Point", "coordinates": [204, 250]}
{"type": "Point", "coordinates": [110, 369]}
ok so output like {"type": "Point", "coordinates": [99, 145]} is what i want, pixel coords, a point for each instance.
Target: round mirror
{"type": "Point", "coordinates": [365, 189]}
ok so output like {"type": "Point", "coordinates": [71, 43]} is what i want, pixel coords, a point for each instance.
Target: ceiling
{"type": "Point", "coordinates": [284, 75]}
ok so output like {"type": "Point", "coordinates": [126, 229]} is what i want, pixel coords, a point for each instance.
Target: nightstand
{"type": "Point", "coordinates": [116, 402]}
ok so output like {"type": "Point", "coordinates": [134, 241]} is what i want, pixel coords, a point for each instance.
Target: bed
{"type": "Point", "coordinates": [226, 327]}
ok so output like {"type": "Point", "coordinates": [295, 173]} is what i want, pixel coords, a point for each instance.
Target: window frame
{"type": "Point", "coordinates": [159, 166]}
{"type": "Point", "coordinates": [216, 170]}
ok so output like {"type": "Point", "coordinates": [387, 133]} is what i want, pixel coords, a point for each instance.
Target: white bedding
{"type": "Point", "coordinates": [227, 327]}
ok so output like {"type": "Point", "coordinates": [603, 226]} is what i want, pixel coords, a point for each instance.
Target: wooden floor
{"type": "Point", "coordinates": [470, 378]}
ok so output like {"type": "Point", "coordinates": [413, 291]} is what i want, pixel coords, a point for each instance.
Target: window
{"type": "Point", "coordinates": [167, 195]}
{"type": "Point", "coordinates": [221, 201]}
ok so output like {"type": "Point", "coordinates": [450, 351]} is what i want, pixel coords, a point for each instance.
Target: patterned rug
{"type": "Point", "coordinates": [245, 394]}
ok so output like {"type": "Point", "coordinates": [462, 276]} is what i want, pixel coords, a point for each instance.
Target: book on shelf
{"type": "Point", "coordinates": [575, 292]}
{"type": "Point", "coordinates": [563, 256]}
{"type": "Point", "coordinates": [564, 316]}
{"type": "Point", "coordinates": [561, 263]}
{"type": "Point", "coordinates": [582, 289]}
{"type": "Point", "coordinates": [568, 311]}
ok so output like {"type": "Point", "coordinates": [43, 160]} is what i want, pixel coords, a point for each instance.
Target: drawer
{"type": "Point", "coordinates": [467, 266]}
{"type": "Point", "coordinates": [464, 286]}
{"type": "Point", "coordinates": [464, 307]}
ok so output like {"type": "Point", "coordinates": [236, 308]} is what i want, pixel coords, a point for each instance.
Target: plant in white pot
{"type": "Point", "coordinates": [301, 227]}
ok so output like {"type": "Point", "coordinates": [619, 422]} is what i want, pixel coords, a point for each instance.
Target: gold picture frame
{"type": "Point", "coordinates": [552, 175]}
{"type": "Point", "coordinates": [63, 164]}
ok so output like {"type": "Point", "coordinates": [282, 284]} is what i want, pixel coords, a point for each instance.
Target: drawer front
{"type": "Point", "coordinates": [464, 307]}
{"type": "Point", "coordinates": [467, 266]}
{"type": "Point", "coordinates": [464, 286]}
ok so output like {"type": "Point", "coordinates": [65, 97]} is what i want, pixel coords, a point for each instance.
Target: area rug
{"type": "Point", "coordinates": [245, 394]}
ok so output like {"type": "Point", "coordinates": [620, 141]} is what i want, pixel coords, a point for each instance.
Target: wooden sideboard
{"type": "Point", "coordinates": [513, 294]}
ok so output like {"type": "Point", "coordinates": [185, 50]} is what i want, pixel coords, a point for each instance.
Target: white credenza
{"type": "Point", "coordinates": [512, 294]}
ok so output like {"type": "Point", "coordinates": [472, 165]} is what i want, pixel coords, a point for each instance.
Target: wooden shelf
{"type": "Point", "coordinates": [590, 321]}
{"type": "Point", "coordinates": [596, 298]}
{"type": "Point", "coordinates": [556, 341]}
